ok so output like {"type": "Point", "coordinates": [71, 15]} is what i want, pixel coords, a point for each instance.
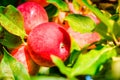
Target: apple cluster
{"type": "Point", "coordinates": [44, 38]}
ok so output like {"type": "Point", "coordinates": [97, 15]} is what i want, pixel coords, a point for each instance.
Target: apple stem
{"type": "Point", "coordinates": [115, 40]}
{"type": "Point", "coordinates": [61, 45]}
{"type": "Point", "coordinates": [23, 41]}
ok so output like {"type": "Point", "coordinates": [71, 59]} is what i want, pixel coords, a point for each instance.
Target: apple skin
{"type": "Point", "coordinates": [41, 2]}
{"type": "Point", "coordinates": [33, 15]}
{"type": "Point", "coordinates": [48, 39]}
{"type": "Point", "coordinates": [21, 54]}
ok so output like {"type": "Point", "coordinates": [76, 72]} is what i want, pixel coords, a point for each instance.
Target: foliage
{"type": "Point", "coordinates": [83, 60]}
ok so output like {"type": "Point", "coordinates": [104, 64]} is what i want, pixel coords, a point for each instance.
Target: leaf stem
{"type": "Point", "coordinates": [115, 40]}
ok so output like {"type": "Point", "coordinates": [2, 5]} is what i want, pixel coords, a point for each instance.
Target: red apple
{"type": "Point", "coordinates": [41, 2]}
{"type": "Point", "coordinates": [33, 14]}
{"type": "Point", "coordinates": [21, 54]}
{"type": "Point", "coordinates": [48, 39]}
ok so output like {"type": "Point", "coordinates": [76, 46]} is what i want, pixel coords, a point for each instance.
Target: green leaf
{"type": "Point", "coordinates": [11, 69]}
{"type": "Point", "coordinates": [5, 71]}
{"type": "Point", "coordinates": [115, 17]}
{"type": "Point", "coordinates": [89, 63]}
{"type": "Point", "coordinates": [60, 4]}
{"type": "Point", "coordinates": [73, 57]}
{"type": "Point", "coordinates": [47, 78]}
{"type": "Point", "coordinates": [63, 69]}
{"type": "Point", "coordinates": [74, 45]}
{"type": "Point", "coordinates": [9, 40]}
{"type": "Point", "coordinates": [74, 51]}
{"type": "Point", "coordinates": [110, 70]}
{"type": "Point", "coordinates": [103, 31]}
{"type": "Point", "coordinates": [80, 23]}
{"type": "Point", "coordinates": [76, 5]}
{"type": "Point", "coordinates": [1, 9]}
{"type": "Point", "coordinates": [51, 10]}
{"type": "Point", "coordinates": [99, 14]}
{"type": "Point", "coordinates": [116, 28]}
{"type": "Point", "coordinates": [59, 63]}
{"type": "Point", "coordinates": [1, 32]}
{"type": "Point", "coordinates": [12, 21]}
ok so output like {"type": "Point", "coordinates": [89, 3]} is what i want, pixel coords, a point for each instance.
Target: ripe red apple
{"type": "Point", "coordinates": [41, 2]}
{"type": "Point", "coordinates": [21, 54]}
{"type": "Point", "coordinates": [48, 39]}
{"type": "Point", "coordinates": [33, 14]}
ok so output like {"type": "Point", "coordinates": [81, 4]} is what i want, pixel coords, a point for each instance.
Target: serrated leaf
{"type": "Point", "coordinates": [80, 23]}
{"type": "Point", "coordinates": [12, 21]}
{"type": "Point", "coordinates": [60, 4]}
{"type": "Point", "coordinates": [11, 69]}
{"type": "Point", "coordinates": [89, 63]}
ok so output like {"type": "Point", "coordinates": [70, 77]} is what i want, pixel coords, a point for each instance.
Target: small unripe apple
{"type": "Point", "coordinates": [33, 14]}
{"type": "Point", "coordinates": [41, 2]}
{"type": "Point", "coordinates": [48, 39]}
{"type": "Point", "coordinates": [21, 54]}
